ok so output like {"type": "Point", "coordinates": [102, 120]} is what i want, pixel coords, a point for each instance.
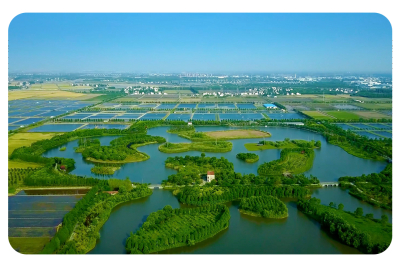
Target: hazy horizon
{"type": "Point", "coordinates": [205, 43]}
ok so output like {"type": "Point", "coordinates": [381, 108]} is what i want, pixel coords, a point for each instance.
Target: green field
{"type": "Point", "coordinates": [372, 115]}
{"type": "Point", "coordinates": [375, 106]}
{"type": "Point", "coordinates": [279, 145]}
{"type": "Point", "coordinates": [208, 146]}
{"type": "Point", "coordinates": [317, 115]}
{"type": "Point", "coordinates": [28, 245]}
{"type": "Point", "coordinates": [343, 115]}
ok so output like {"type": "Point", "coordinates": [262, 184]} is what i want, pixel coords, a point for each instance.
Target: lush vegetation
{"type": "Point", "coordinates": [170, 228]}
{"type": "Point", "coordinates": [17, 176]}
{"type": "Point", "coordinates": [292, 161]}
{"type": "Point", "coordinates": [248, 157]}
{"type": "Point", "coordinates": [190, 169]}
{"type": "Point", "coordinates": [207, 146]}
{"type": "Point", "coordinates": [364, 233]}
{"type": "Point", "coordinates": [80, 227]}
{"type": "Point", "coordinates": [105, 170]}
{"type": "Point", "coordinates": [63, 148]}
{"type": "Point", "coordinates": [209, 194]}
{"type": "Point", "coordinates": [264, 206]}
{"type": "Point", "coordinates": [374, 188]}
{"type": "Point", "coordinates": [287, 143]}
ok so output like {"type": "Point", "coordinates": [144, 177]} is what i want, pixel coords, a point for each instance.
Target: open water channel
{"type": "Point", "coordinates": [296, 234]}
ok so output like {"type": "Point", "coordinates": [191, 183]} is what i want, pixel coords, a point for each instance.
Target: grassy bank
{"type": "Point", "coordinates": [292, 161]}
{"type": "Point", "coordinates": [106, 170]}
{"type": "Point", "coordinates": [263, 145]}
{"type": "Point", "coordinates": [355, 151]}
{"type": "Point", "coordinates": [208, 146]}
{"type": "Point", "coordinates": [222, 135]}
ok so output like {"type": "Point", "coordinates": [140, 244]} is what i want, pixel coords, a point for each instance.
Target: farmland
{"type": "Point", "coordinates": [343, 115]}
{"type": "Point", "coordinates": [317, 115]}
{"type": "Point", "coordinates": [48, 94]}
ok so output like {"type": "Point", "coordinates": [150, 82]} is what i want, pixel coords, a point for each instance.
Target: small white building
{"type": "Point", "coordinates": [210, 176]}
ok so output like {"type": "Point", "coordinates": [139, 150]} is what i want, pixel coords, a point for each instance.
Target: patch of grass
{"type": "Point", "coordinates": [371, 115]}
{"type": "Point", "coordinates": [45, 94]}
{"type": "Point", "coordinates": [317, 115]}
{"type": "Point", "coordinates": [262, 145]}
{"type": "Point", "coordinates": [207, 146]}
{"type": "Point", "coordinates": [343, 115]}
{"type": "Point", "coordinates": [375, 106]}
{"type": "Point", "coordinates": [28, 245]}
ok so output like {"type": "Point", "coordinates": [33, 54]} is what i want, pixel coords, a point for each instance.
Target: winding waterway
{"type": "Point", "coordinates": [296, 234]}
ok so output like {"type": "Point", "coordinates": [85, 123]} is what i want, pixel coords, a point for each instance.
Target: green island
{"type": "Point", "coordinates": [190, 133]}
{"type": "Point", "coordinates": [292, 161]}
{"type": "Point", "coordinates": [364, 233]}
{"type": "Point", "coordinates": [374, 188]}
{"type": "Point", "coordinates": [171, 228]}
{"type": "Point", "coordinates": [208, 194]}
{"type": "Point", "coordinates": [206, 146]}
{"type": "Point", "coordinates": [248, 157]}
{"type": "Point", "coordinates": [80, 227]}
{"type": "Point", "coordinates": [264, 206]}
{"type": "Point", "coordinates": [105, 170]}
{"type": "Point", "coordinates": [63, 148]}
{"type": "Point", "coordinates": [287, 143]}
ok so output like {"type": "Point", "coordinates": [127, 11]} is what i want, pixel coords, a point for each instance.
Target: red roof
{"type": "Point", "coordinates": [210, 173]}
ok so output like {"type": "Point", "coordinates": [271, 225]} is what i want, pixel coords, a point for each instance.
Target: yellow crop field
{"type": "Point", "coordinates": [51, 94]}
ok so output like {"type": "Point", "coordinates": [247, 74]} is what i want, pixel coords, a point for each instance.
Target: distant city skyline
{"type": "Point", "coordinates": [208, 43]}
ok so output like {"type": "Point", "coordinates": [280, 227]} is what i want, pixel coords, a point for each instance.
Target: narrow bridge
{"type": "Point", "coordinates": [155, 186]}
{"type": "Point", "coordinates": [326, 184]}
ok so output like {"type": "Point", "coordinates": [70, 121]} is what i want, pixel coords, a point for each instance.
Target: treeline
{"type": "Point", "coordinates": [170, 228]}
{"type": "Point", "coordinates": [340, 225]}
{"type": "Point", "coordinates": [86, 219]}
{"type": "Point", "coordinates": [288, 142]}
{"type": "Point", "coordinates": [17, 176]}
{"type": "Point", "coordinates": [292, 160]}
{"type": "Point", "coordinates": [374, 188]}
{"type": "Point", "coordinates": [248, 157]}
{"type": "Point", "coordinates": [279, 105]}
{"type": "Point", "coordinates": [181, 128]}
{"type": "Point", "coordinates": [264, 206]}
{"type": "Point", "coordinates": [196, 195]}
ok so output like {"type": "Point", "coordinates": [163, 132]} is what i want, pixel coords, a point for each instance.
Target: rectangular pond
{"type": "Point", "coordinates": [204, 116]}
{"type": "Point", "coordinates": [153, 116]}
{"type": "Point", "coordinates": [61, 127]}
{"type": "Point", "coordinates": [246, 106]}
{"type": "Point", "coordinates": [381, 125]}
{"type": "Point", "coordinates": [103, 116]}
{"type": "Point", "coordinates": [179, 117]}
{"type": "Point", "coordinates": [191, 106]}
{"type": "Point", "coordinates": [105, 126]}
{"type": "Point", "coordinates": [384, 133]}
{"type": "Point", "coordinates": [285, 116]}
{"type": "Point", "coordinates": [12, 120]}
{"type": "Point", "coordinates": [166, 106]}
{"type": "Point", "coordinates": [226, 106]}
{"type": "Point", "coordinates": [360, 125]}
{"type": "Point", "coordinates": [129, 116]}
{"type": "Point", "coordinates": [207, 105]}
{"type": "Point", "coordinates": [28, 121]}
{"type": "Point", "coordinates": [345, 126]}
{"type": "Point", "coordinates": [80, 116]}
{"type": "Point", "coordinates": [367, 134]}
{"type": "Point", "coordinates": [240, 116]}
{"type": "Point", "coordinates": [346, 107]}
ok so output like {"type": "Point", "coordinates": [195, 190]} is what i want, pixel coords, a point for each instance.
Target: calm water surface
{"type": "Point", "coordinates": [296, 234]}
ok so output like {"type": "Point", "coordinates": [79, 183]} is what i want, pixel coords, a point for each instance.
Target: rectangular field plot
{"type": "Point", "coordinates": [129, 116]}
{"type": "Point", "coordinates": [345, 126]}
{"type": "Point", "coordinates": [102, 116]}
{"type": "Point", "coordinates": [206, 105]}
{"type": "Point", "coordinates": [343, 115]}
{"type": "Point", "coordinates": [28, 245]}
{"type": "Point", "coordinates": [246, 106]}
{"type": "Point", "coordinates": [285, 116]}
{"type": "Point", "coordinates": [241, 116]}
{"type": "Point", "coordinates": [178, 117]}
{"type": "Point", "coordinates": [384, 133]}
{"type": "Point", "coordinates": [226, 106]}
{"type": "Point", "coordinates": [166, 106]}
{"type": "Point", "coordinates": [372, 115]}
{"type": "Point", "coordinates": [79, 116]}
{"type": "Point", "coordinates": [28, 121]}
{"type": "Point", "coordinates": [105, 126]}
{"type": "Point", "coordinates": [56, 128]}
{"type": "Point", "coordinates": [204, 116]}
{"type": "Point", "coordinates": [153, 116]}
{"type": "Point", "coordinates": [360, 126]}
{"type": "Point", "coordinates": [375, 106]}
{"type": "Point", "coordinates": [191, 106]}
{"type": "Point", "coordinates": [317, 115]}
{"type": "Point", "coordinates": [346, 107]}
{"type": "Point", "coordinates": [32, 231]}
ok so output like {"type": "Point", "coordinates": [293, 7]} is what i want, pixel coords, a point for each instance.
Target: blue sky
{"type": "Point", "coordinates": [201, 42]}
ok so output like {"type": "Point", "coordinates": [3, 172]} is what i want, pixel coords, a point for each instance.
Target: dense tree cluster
{"type": "Point", "coordinates": [295, 143]}
{"type": "Point", "coordinates": [292, 160]}
{"type": "Point", "coordinates": [265, 206]}
{"type": "Point", "coordinates": [181, 128]}
{"type": "Point", "coordinates": [202, 195]}
{"type": "Point", "coordinates": [248, 157]}
{"type": "Point", "coordinates": [86, 219]}
{"type": "Point", "coordinates": [333, 222]}
{"type": "Point", "coordinates": [375, 188]}
{"type": "Point", "coordinates": [170, 228]}
{"type": "Point", "coordinates": [17, 176]}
